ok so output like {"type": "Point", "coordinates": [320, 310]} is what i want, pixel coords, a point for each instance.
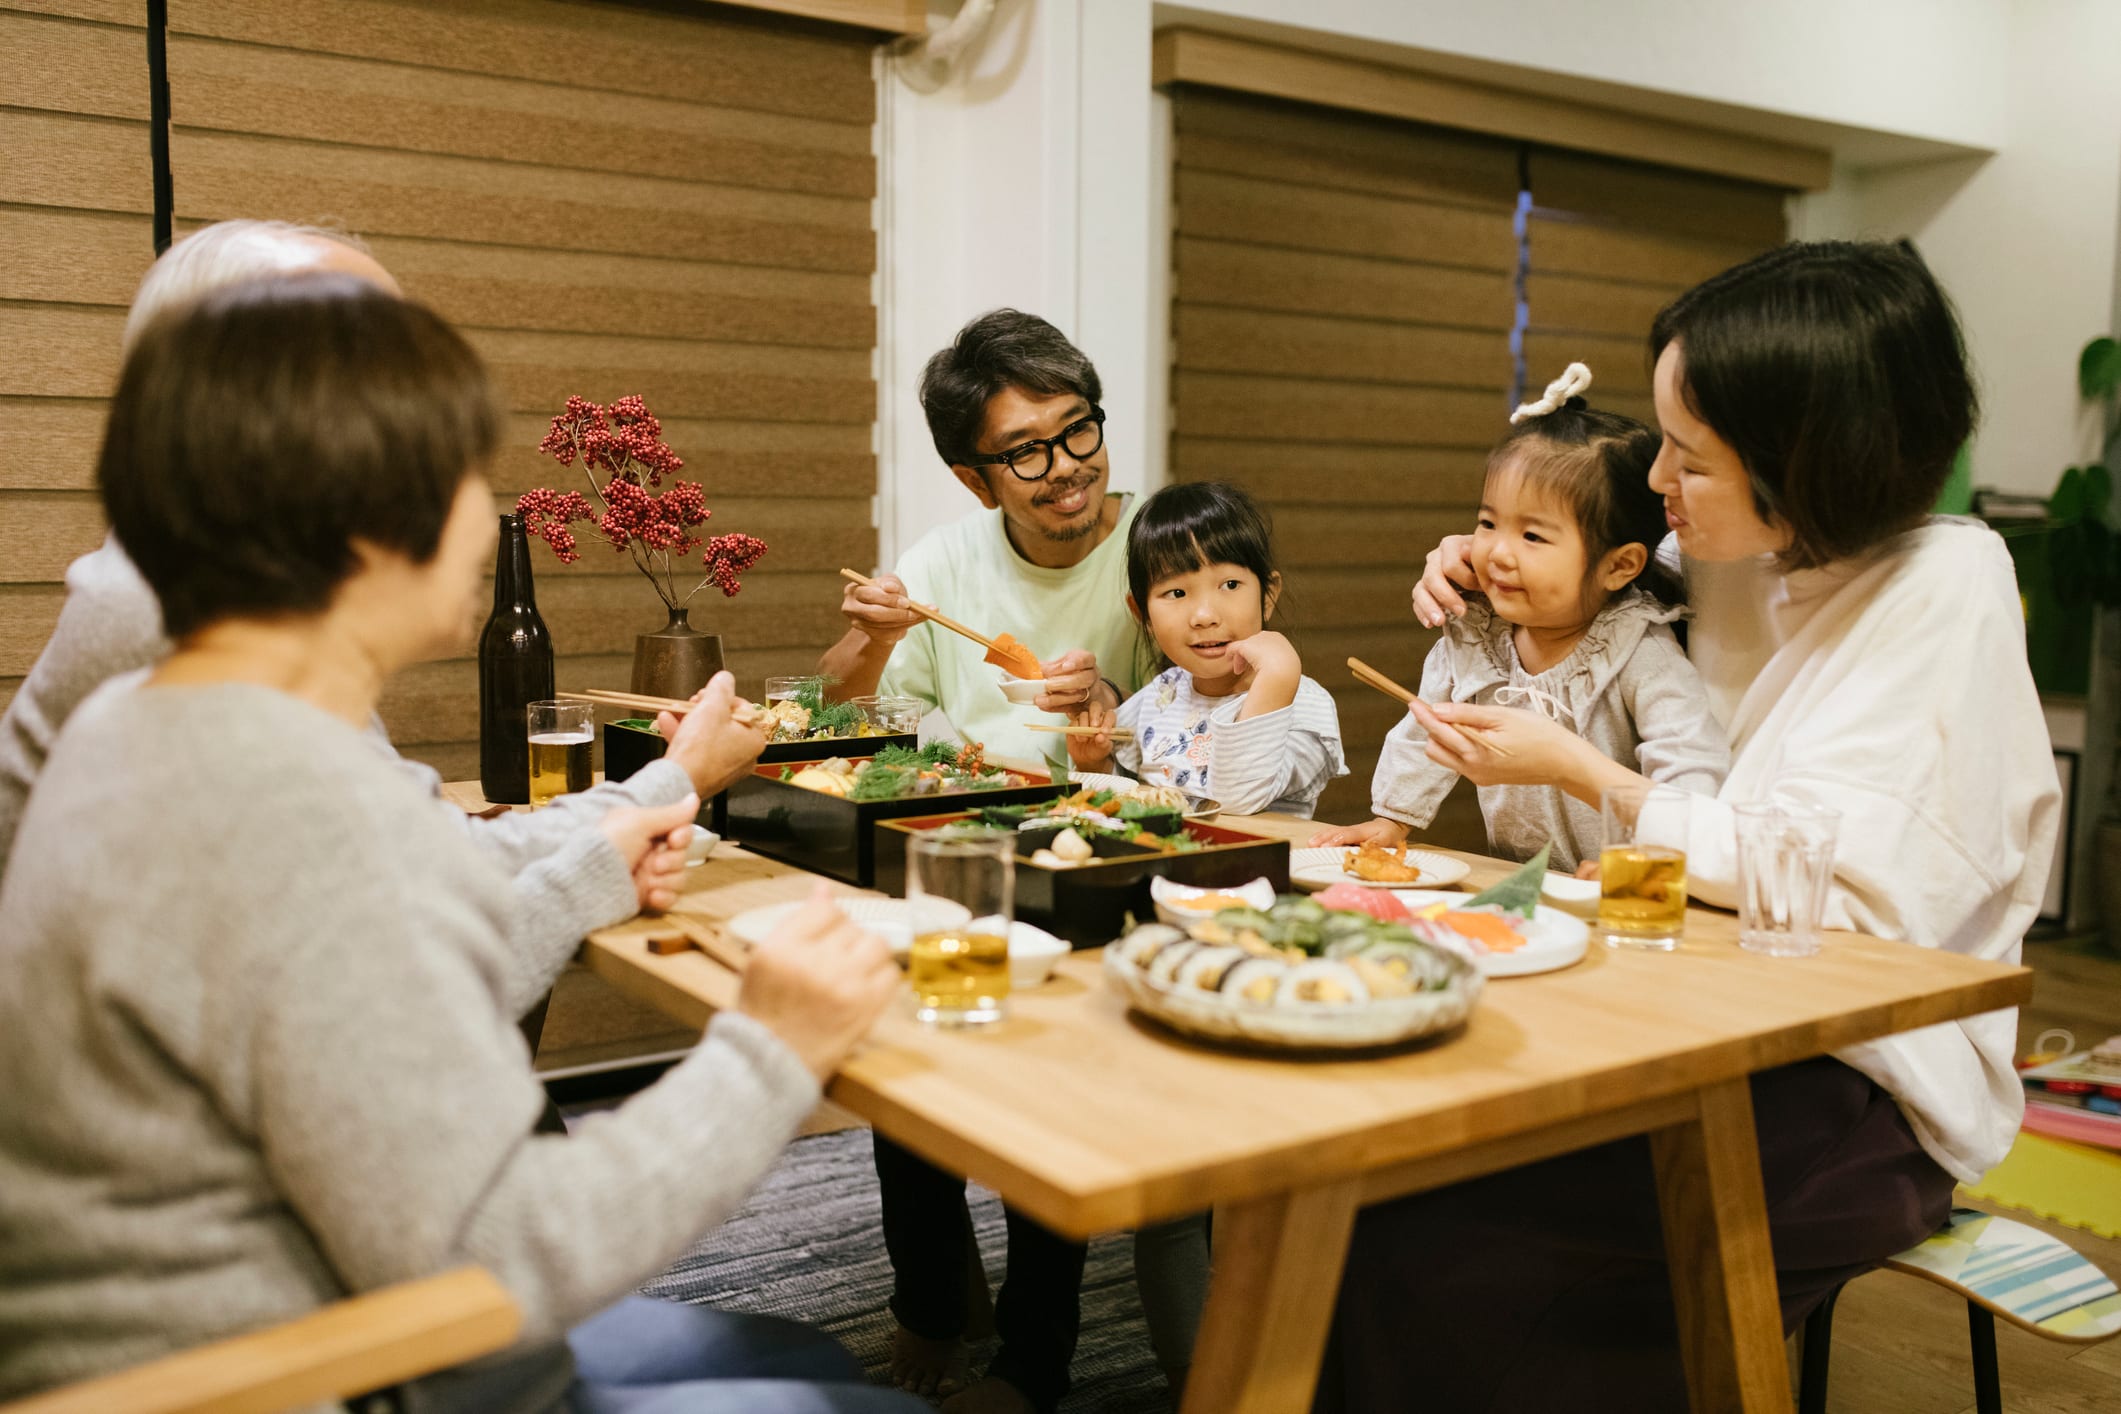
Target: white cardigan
{"type": "Point", "coordinates": [1894, 688]}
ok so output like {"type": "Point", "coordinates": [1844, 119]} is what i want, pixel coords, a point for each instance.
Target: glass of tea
{"type": "Point", "coordinates": [562, 738]}
{"type": "Point", "coordinates": [960, 973]}
{"type": "Point", "coordinates": [783, 689]}
{"type": "Point", "coordinates": [1642, 869]}
{"type": "Point", "coordinates": [1785, 865]}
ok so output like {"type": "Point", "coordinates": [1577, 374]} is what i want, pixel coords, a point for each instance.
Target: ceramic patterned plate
{"type": "Point", "coordinates": [1196, 807]}
{"type": "Point", "coordinates": [896, 919]}
{"type": "Point", "coordinates": [1320, 868]}
{"type": "Point", "coordinates": [1552, 939]}
{"type": "Point", "coordinates": [1209, 1016]}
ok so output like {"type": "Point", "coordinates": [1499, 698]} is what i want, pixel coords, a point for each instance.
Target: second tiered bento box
{"type": "Point", "coordinates": [777, 812]}
{"type": "Point", "coordinates": [1088, 901]}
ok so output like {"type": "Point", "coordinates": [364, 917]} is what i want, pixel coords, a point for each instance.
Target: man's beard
{"type": "Point", "coordinates": [1093, 514]}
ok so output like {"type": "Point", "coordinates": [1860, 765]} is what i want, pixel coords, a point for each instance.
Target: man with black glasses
{"type": "Point", "coordinates": [1013, 407]}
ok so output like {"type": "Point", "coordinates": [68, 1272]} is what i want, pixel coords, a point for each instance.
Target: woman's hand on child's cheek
{"type": "Point", "coordinates": [1448, 570]}
{"type": "Point", "coordinates": [1071, 679]}
{"type": "Point", "coordinates": [1498, 746]}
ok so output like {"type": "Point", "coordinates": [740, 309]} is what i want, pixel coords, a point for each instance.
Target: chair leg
{"type": "Point", "coordinates": [1988, 1384]}
{"type": "Point", "coordinates": [1813, 1355]}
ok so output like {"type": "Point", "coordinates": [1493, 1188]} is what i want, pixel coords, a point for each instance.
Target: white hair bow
{"type": "Point", "coordinates": [1573, 381]}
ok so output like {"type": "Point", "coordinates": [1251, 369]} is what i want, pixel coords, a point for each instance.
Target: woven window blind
{"type": "Point", "coordinates": [1612, 242]}
{"type": "Point", "coordinates": [1344, 293]}
{"type": "Point", "coordinates": [606, 200]}
{"type": "Point", "coordinates": [76, 233]}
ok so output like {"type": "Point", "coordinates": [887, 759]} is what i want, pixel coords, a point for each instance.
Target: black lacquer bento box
{"type": "Point", "coordinates": [1088, 904]}
{"type": "Point", "coordinates": [633, 743]}
{"type": "Point", "coordinates": [829, 834]}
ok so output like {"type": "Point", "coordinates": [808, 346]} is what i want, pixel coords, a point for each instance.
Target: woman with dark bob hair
{"type": "Point", "coordinates": [257, 988]}
{"type": "Point", "coordinates": [1863, 656]}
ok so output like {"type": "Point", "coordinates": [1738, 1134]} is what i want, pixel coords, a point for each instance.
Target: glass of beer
{"type": "Point", "coordinates": [1642, 869]}
{"type": "Point", "coordinates": [960, 972]}
{"type": "Point", "coordinates": [562, 738]}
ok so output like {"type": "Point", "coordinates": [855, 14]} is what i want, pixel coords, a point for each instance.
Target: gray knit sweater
{"type": "Point", "coordinates": [258, 1050]}
{"type": "Point", "coordinates": [111, 625]}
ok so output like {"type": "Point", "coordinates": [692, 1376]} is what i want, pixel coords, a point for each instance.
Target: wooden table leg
{"type": "Point", "coordinates": [1270, 1303]}
{"type": "Point", "coordinates": [1723, 1273]}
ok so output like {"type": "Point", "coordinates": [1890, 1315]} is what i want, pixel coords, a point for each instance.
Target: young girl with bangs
{"type": "Point", "coordinates": [1233, 718]}
{"type": "Point", "coordinates": [1573, 621]}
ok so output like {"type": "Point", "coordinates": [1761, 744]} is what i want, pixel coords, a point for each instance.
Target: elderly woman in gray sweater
{"type": "Point", "coordinates": [111, 624]}
{"type": "Point", "coordinates": [257, 989]}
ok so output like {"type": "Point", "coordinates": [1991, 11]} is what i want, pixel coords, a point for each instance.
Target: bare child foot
{"type": "Point", "coordinates": [989, 1396]}
{"type": "Point", "coordinates": [931, 1367]}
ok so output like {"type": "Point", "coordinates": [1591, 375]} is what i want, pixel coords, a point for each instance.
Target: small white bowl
{"type": "Point", "coordinates": [1022, 691]}
{"type": "Point", "coordinates": [1571, 894]}
{"type": "Point", "coordinates": [701, 845]}
{"type": "Point", "coordinates": [1171, 899]}
{"type": "Point", "coordinates": [1033, 954]}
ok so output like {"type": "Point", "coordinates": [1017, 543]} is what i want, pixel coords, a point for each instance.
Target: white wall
{"type": "Point", "coordinates": [1040, 180]}
{"type": "Point", "coordinates": [2024, 240]}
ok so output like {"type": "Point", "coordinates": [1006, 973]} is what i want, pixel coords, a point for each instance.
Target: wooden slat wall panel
{"type": "Point", "coordinates": [1344, 296]}
{"type": "Point", "coordinates": [75, 237]}
{"type": "Point", "coordinates": [607, 199]}
{"type": "Point", "coordinates": [1611, 243]}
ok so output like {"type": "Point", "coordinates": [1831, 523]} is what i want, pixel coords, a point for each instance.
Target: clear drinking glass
{"type": "Point", "coordinates": [1642, 869]}
{"type": "Point", "coordinates": [1785, 863]}
{"type": "Point", "coordinates": [960, 973]}
{"type": "Point", "coordinates": [891, 714]}
{"type": "Point", "coordinates": [782, 688]}
{"type": "Point", "coordinates": [562, 738]}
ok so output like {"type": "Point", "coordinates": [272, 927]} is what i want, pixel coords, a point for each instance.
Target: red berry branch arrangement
{"type": "Point", "coordinates": [625, 444]}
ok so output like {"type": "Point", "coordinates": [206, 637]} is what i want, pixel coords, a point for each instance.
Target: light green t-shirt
{"type": "Point", "coordinates": [970, 571]}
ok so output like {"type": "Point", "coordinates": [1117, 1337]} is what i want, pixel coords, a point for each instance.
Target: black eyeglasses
{"type": "Point", "coordinates": [1034, 459]}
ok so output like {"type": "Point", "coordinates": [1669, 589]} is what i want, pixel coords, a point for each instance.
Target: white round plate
{"type": "Point", "coordinates": [1552, 939]}
{"type": "Point", "coordinates": [894, 918]}
{"type": "Point", "coordinates": [1211, 1017]}
{"type": "Point", "coordinates": [1320, 868]}
{"type": "Point", "coordinates": [1197, 807]}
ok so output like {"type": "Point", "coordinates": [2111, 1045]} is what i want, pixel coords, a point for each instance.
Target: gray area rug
{"type": "Point", "coordinates": [808, 1246]}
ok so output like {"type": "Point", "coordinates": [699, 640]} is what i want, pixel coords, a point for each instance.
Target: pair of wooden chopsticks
{"type": "Point", "coordinates": [1118, 733]}
{"type": "Point", "coordinates": [691, 933]}
{"type": "Point", "coordinates": [1370, 677]}
{"type": "Point", "coordinates": [932, 615]}
{"type": "Point", "coordinates": [643, 702]}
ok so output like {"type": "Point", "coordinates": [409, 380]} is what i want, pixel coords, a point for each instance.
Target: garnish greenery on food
{"type": "Point", "coordinates": [807, 716]}
{"type": "Point", "coordinates": [900, 773]}
{"type": "Point", "coordinates": [1519, 893]}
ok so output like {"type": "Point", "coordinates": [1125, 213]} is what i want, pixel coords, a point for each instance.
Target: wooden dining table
{"type": "Point", "coordinates": [1094, 1120]}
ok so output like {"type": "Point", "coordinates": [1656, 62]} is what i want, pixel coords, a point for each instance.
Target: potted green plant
{"type": "Point", "coordinates": [2084, 560]}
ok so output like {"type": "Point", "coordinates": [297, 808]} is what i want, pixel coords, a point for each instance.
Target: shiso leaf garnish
{"type": "Point", "coordinates": [1519, 893]}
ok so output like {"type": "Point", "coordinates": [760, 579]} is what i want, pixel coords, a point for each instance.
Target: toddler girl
{"type": "Point", "coordinates": [1233, 719]}
{"type": "Point", "coordinates": [1575, 625]}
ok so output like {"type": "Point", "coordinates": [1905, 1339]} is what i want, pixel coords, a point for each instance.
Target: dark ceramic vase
{"type": "Point", "coordinates": [676, 660]}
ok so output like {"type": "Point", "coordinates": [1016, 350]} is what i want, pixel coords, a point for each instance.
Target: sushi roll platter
{"type": "Point", "coordinates": [1297, 975]}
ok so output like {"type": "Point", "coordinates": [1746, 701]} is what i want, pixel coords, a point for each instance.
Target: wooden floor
{"type": "Point", "coordinates": [1900, 1343]}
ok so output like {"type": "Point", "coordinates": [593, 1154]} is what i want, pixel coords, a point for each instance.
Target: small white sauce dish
{"type": "Point", "coordinates": [1172, 900]}
{"type": "Point", "coordinates": [1022, 691]}
{"type": "Point", "coordinates": [700, 845]}
{"type": "Point", "coordinates": [1033, 954]}
{"type": "Point", "coordinates": [1571, 894]}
